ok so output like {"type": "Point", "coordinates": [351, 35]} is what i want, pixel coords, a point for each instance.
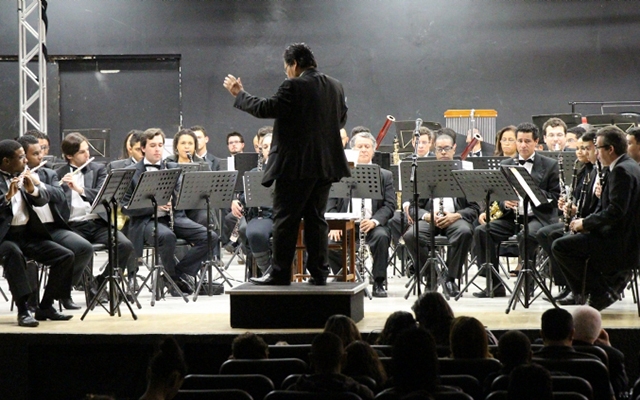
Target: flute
{"type": "Point", "coordinates": [77, 171]}
{"type": "Point", "coordinates": [20, 178]}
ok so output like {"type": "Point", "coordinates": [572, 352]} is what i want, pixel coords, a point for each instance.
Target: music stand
{"type": "Point", "coordinates": [524, 185]}
{"type": "Point", "coordinates": [492, 162]}
{"type": "Point", "coordinates": [199, 190]}
{"type": "Point", "coordinates": [568, 160]}
{"type": "Point", "coordinates": [435, 178]}
{"type": "Point", "coordinates": [156, 187]}
{"type": "Point", "coordinates": [479, 185]}
{"type": "Point", "coordinates": [109, 195]}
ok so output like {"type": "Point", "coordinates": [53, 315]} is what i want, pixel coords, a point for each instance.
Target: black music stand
{"type": "Point", "coordinates": [156, 187]}
{"type": "Point", "coordinates": [479, 185]}
{"type": "Point", "coordinates": [492, 162]}
{"type": "Point", "coordinates": [524, 184]}
{"type": "Point", "coordinates": [568, 160]}
{"type": "Point", "coordinates": [198, 191]}
{"type": "Point", "coordinates": [433, 177]}
{"type": "Point", "coordinates": [109, 195]}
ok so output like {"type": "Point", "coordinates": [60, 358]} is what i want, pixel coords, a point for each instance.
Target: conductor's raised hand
{"type": "Point", "coordinates": [233, 85]}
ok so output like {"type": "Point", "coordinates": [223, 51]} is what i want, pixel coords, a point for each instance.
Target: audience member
{"type": "Point", "coordinates": [344, 328]}
{"type": "Point", "coordinates": [530, 382]}
{"type": "Point", "coordinates": [327, 355]}
{"type": "Point", "coordinates": [468, 339]}
{"type": "Point", "coordinates": [362, 360]}
{"type": "Point", "coordinates": [514, 349]}
{"type": "Point", "coordinates": [249, 346]}
{"type": "Point", "coordinates": [557, 335]}
{"type": "Point", "coordinates": [435, 316]}
{"type": "Point", "coordinates": [396, 323]}
{"type": "Point", "coordinates": [166, 372]}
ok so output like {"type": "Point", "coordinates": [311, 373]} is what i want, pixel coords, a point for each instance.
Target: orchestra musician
{"type": "Point", "coordinates": [141, 225]}
{"type": "Point", "coordinates": [605, 247]}
{"type": "Point", "coordinates": [544, 172]}
{"type": "Point", "coordinates": [376, 215]}
{"type": "Point", "coordinates": [453, 218]}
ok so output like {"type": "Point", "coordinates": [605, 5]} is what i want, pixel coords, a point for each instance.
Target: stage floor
{"type": "Point", "coordinates": [210, 315]}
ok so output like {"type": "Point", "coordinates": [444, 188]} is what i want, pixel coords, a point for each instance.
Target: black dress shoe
{"type": "Point", "coordinates": [564, 293]}
{"type": "Point", "coordinates": [68, 304]}
{"type": "Point", "coordinates": [602, 301]}
{"type": "Point", "coordinates": [378, 290]}
{"type": "Point", "coordinates": [52, 314]}
{"type": "Point", "coordinates": [497, 292]}
{"type": "Point", "coordinates": [184, 286]}
{"type": "Point", "coordinates": [570, 300]}
{"type": "Point", "coordinates": [451, 288]}
{"type": "Point", "coordinates": [318, 281]}
{"type": "Point", "coordinates": [26, 319]}
{"type": "Point", "coordinates": [270, 280]}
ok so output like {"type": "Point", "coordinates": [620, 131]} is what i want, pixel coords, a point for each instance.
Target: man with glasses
{"type": "Point", "coordinates": [584, 203]}
{"type": "Point", "coordinates": [453, 218]}
{"type": "Point", "coordinates": [544, 171]}
{"type": "Point", "coordinates": [605, 247]}
{"type": "Point", "coordinates": [235, 143]}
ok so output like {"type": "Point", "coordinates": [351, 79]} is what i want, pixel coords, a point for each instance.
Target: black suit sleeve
{"type": "Point", "coordinates": [386, 210]}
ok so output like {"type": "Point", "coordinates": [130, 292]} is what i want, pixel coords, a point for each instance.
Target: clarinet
{"type": "Point", "coordinates": [563, 189]}
{"type": "Point", "coordinates": [586, 181]}
{"type": "Point", "coordinates": [259, 168]}
{"type": "Point", "coordinates": [440, 212]}
{"type": "Point", "coordinates": [170, 212]}
{"type": "Point", "coordinates": [363, 252]}
{"type": "Point", "coordinates": [566, 213]}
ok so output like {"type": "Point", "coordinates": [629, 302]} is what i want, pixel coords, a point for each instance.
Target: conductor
{"type": "Point", "coordinates": [306, 156]}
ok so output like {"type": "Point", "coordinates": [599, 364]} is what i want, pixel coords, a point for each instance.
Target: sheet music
{"type": "Point", "coordinates": [341, 215]}
{"type": "Point", "coordinates": [526, 187]}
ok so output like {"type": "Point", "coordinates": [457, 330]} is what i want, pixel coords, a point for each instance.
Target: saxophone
{"type": "Point", "coordinates": [494, 211]}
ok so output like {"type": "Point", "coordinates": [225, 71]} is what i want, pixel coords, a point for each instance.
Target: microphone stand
{"type": "Point", "coordinates": [416, 198]}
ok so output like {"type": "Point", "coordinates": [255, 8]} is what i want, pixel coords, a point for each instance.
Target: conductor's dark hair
{"type": "Point", "coordinates": [528, 127]}
{"type": "Point", "coordinates": [26, 141]}
{"type": "Point", "coordinates": [301, 54]}
{"type": "Point", "coordinates": [557, 324]}
{"type": "Point", "coordinates": [8, 149]}
{"type": "Point", "coordinates": [615, 137]}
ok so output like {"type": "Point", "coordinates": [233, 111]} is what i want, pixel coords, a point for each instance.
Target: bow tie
{"type": "Point", "coordinates": [74, 169]}
{"type": "Point", "coordinates": [152, 166]}
{"type": "Point", "coordinates": [522, 162]}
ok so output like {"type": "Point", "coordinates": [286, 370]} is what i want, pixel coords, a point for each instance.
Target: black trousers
{"type": "Point", "coordinates": [81, 248]}
{"type": "Point", "coordinates": [292, 201]}
{"type": "Point", "coordinates": [378, 239]}
{"type": "Point", "coordinates": [258, 232]}
{"type": "Point", "coordinates": [19, 244]}
{"type": "Point", "coordinates": [97, 231]}
{"type": "Point", "coordinates": [460, 235]}
{"type": "Point", "coordinates": [546, 236]}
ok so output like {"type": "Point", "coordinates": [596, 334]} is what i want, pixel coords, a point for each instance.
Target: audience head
{"type": "Point", "coordinates": [396, 323]}
{"type": "Point", "coordinates": [166, 370]}
{"type": "Point", "coordinates": [343, 327]}
{"type": "Point", "coordinates": [152, 144]}
{"type": "Point", "coordinates": [43, 138]}
{"type": "Point", "coordinates": [468, 339]}
{"type": "Point", "coordinates": [327, 353]}
{"type": "Point", "coordinates": [633, 143]}
{"type": "Point", "coordinates": [557, 327]}
{"type": "Point", "coordinates": [415, 361]}
{"type": "Point", "coordinates": [362, 360]}
{"type": "Point", "coordinates": [587, 324]}
{"type": "Point", "coordinates": [12, 157]}
{"type": "Point", "coordinates": [611, 142]}
{"type": "Point", "coordinates": [249, 346]}
{"type": "Point", "coordinates": [235, 143]}
{"type": "Point", "coordinates": [555, 134]}
{"type": "Point", "coordinates": [434, 314]}
{"type": "Point", "coordinates": [506, 142]}
{"type": "Point", "coordinates": [514, 348]}
{"type": "Point", "coordinates": [530, 382]}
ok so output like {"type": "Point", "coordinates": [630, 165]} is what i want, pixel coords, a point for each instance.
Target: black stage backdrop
{"type": "Point", "coordinates": [407, 58]}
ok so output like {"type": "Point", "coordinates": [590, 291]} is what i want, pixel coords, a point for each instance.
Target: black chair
{"type": "Point", "coordinates": [363, 380]}
{"type": "Point", "coordinates": [300, 351]}
{"type": "Point", "coordinates": [223, 394]}
{"type": "Point", "coordinates": [478, 368]}
{"type": "Point", "coordinates": [592, 371]}
{"type": "Point", "coordinates": [256, 385]}
{"type": "Point", "coordinates": [447, 395]}
{"type": "Point", "coordinates": [558, 383]}
{"type": "Point", "coordinates": [275, 369]}
{"type": "Point", "coordinates": [568, 396]}
{"type": "Point", "coordinates": [469, 384]}
{"type": "Point", "coordinates": [291, 395]}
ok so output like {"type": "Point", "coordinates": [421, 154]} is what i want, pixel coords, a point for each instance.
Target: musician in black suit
{"type": "Point", "coordinates": [202, 154]}
{"type": "Point", "coordinates": [23, 235]}
{"type": "Point", "coordinates": [51, 215]}
{"type": "Point", "coordinates": [606, 248]}
{"type": "Point", "coordinates": [544, 172]}
{"type": "Point", "coordinates": [81, 187]}
{"type": "Point", "coordinates": [133, 149]}
{"type": "Point", "coordinates": [306, 157]}
{"type": "Point", "coordinates": [141, 224]}
{"type": "Point", "coordinates": [585, 203]}
{"type": "Point", "coordinates": [455, 223]}
{"type": "Point", "coordinates": [376, 215]}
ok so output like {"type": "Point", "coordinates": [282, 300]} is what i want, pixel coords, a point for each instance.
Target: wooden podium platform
{"type": "Point", "coordinates": [300, 305]}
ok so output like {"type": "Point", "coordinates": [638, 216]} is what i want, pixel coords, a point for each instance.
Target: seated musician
{"type": "Point", "coordinates": [376, 215]}
{"type": "Point", "coordinates": [51, 215]}
{"type": "Point", "coordinates": [585, 202]}
{"type": "Point", "coordinates": [133, 153]}
{"type": "Point", "coordinates": [202, 155]}
{"type": "Point", "coordinates": [141, 221]}
{"type": "Point", "coordinates": [81, 189]}
{"type": "Point", "coordinates": [544, 171]}
{"type": "Point", "coordinates": [606, 246]}
{"type": "Point", "coordinates": [453, 218]}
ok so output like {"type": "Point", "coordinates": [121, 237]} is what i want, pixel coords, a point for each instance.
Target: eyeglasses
{"type": "Point", "coordinates": [604, 146]}
{"type": "Point", "coordinates": [445, 149]}
{"type": "Point", "coordinates": [507, 140]}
